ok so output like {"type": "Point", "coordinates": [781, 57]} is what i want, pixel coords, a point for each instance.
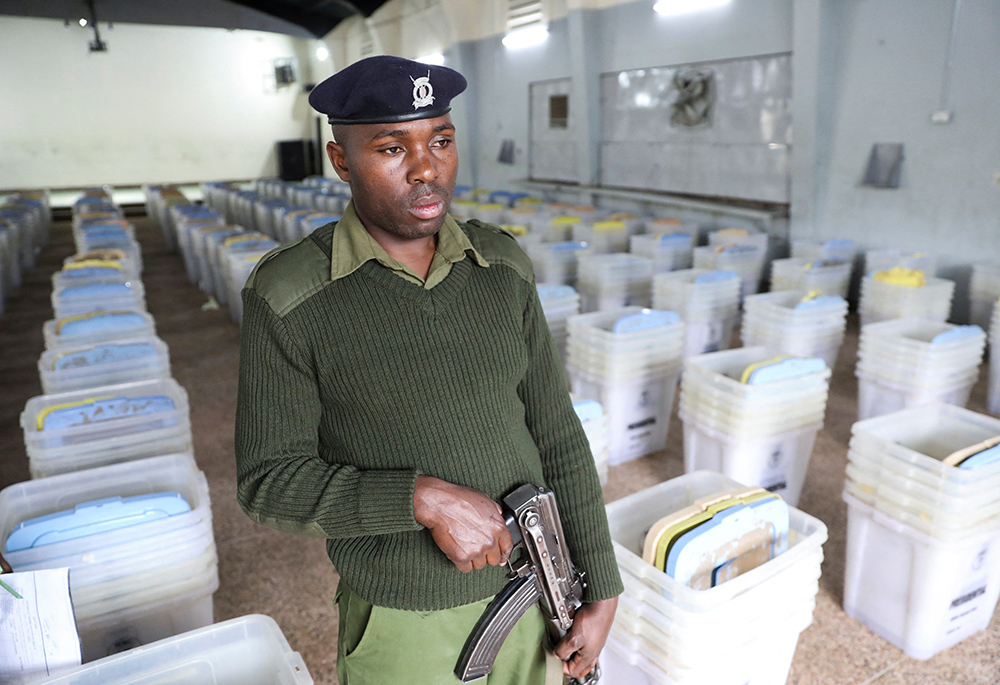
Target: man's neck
{"type": "Point", "coordinates": [416, 253]}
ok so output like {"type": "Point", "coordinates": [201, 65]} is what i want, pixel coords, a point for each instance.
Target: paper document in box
{"type": "Point", "coordinates": [37, 625]}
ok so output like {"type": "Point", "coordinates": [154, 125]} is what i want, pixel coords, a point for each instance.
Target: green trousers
{"type": "Point", "coordinates": [381, 646]}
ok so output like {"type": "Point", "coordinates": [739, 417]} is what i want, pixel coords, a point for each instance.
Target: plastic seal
{"type": "Point", "coordinates": [645, 320]}
{"type": "Point", "coordinates": [716, 276]}
{"type": "Point", "coordinates": [780, 369]}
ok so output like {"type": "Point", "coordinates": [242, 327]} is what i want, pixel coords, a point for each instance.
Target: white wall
{"type": "Point", "coordinates": [164, 104]}
{"type": "Point", "coordinates": [877, 79]}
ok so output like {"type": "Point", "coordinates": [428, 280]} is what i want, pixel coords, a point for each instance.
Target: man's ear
{"type": "Point", "coordinates": [338, 158]}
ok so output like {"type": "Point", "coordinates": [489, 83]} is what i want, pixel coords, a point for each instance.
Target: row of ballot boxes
{"type": "Point", "coordinates": [116, 496]}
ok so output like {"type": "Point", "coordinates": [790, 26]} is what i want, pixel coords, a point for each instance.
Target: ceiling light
{"type": "Point", "coordinates": [83, 22]}
{"type": "Point", "coordinates": [526, 37]}
{"type": "Point", "coordinates": [670, 8]}
{"type": "Point", "coordinates": [433, 58]}
{"type": "Point", "coordinates": [322, 54]}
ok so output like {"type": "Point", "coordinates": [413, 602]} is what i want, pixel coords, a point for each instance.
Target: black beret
{"type": "Point", "coordinates": [386, 89]}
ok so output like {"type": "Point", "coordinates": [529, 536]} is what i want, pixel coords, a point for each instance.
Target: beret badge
{"type": "Point", "coordinates": [423, 91]}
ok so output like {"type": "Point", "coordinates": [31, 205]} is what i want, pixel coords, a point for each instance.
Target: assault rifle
{"type": "Point", "coordinates": [544, 575]}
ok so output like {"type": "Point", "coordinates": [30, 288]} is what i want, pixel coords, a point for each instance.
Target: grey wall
{"type": "Point", "coordinates": [876, 69]}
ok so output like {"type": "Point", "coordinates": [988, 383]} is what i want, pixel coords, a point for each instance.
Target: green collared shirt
{"type": "Point", "coordinates": [353, 246]}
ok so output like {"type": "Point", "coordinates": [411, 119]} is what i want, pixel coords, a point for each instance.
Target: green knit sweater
{"type": "Point", "coordinates": [351, 388]}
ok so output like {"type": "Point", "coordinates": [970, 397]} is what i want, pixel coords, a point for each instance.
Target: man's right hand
{"type": "Point", "coordinates": [467, 525]}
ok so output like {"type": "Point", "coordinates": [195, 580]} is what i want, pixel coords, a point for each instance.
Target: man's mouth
{"type": "Point", "coordinates": [429, 207]}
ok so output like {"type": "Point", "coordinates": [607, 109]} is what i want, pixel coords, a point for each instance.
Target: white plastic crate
{"type": "Point", "coordinates": [249, 650]}
{"type": "Point", "coordinates": [778, 463]}
{"type": "Point", "coordinates": [124, 438]}
{"type": "Point", "coordinates": [921, 594]}
{"type": "Point", "coordinates": [128, 323]}
{"type": "Point", "coordinates": [638, 411]}
{"type": "Point", "coordinates": [630, 517]}
{"type": "Point", "coordinates": [877, 396]}
{"type": "Point", "coordinates": [117, 361]}
{"type": "Point", "coordinates": [113, 632]}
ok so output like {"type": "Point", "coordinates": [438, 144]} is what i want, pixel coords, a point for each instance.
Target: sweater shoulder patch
{"type": "Point", "coordinates": [290, 274]}
{"type": "Point", "coordinates": [499, 247]}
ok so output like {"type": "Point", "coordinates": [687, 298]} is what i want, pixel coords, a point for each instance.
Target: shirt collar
{"type": "Point", "coordinates": [353, 246]}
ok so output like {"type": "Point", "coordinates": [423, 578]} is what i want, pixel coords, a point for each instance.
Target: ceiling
{"type": "Point", "coordinates": [316, 16]}
{"type": "Point", "coordinates": [303, 18]}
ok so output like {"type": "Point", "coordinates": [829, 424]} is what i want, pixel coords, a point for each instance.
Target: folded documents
{"type": "Point", "coordinates": [97, 516]}
{"type": "Point", "coordinates": [957, 333]}
{"type": "Point", "coordinates": [98, 321]}
{"type": "Point", "coordinates": [662, 535]}
{"type": "Point", "coordinates": [719, 537]}
{"type": "Point", "coordinates": [96, 290]}
{"type": "Point", "coordinates": [110, 353]}
{"type": "Point", "coordinates": [98, 409]}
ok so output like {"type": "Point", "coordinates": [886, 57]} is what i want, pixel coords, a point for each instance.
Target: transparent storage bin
{"type": "Point", "coordinates": [249, 650]}
{"type": "Point", "coordinates": [75, 367]}
{"type": "Point", "coordinates": [631, 517]}
{"type": "Point", "coordinates": [58, 450]}
{"type": "Point", "coordinates": [921, 594]}
{"type": "Point", "coordinates": [129, 323]}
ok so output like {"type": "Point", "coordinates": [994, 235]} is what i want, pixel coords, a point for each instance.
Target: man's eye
{"type": "Point", "coordinates": [443, 142]}
{"type": "Point", "coordinates": [392, 150]}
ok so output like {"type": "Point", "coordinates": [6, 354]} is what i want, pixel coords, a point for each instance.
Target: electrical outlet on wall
{"type": "Point", "coordinates": [941, 116]}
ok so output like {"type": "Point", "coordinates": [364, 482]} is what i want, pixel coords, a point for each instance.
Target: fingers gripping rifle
{"type": "Point", "coordinates": [544, 575]}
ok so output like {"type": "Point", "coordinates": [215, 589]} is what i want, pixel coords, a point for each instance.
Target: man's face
{"type": "Point", "coordinates": [402, 175]}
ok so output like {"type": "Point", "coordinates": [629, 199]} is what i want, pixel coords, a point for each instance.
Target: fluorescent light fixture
{"type": "Point", "coordinates": [526, 37]}
{"type": "Point", "coordinates": [322, 54]}
{"type": "Point", "coordinates": [434, 58]}
{"type": "Point", "coordinates": [670, 8]}
{"type": "Point", "coordinates": [83, 22]}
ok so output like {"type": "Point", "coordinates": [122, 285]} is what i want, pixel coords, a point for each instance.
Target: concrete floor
{"type": "Point", "coordinates": [291, 578]}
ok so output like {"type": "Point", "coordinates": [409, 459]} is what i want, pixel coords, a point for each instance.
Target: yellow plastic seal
{"type": "Point", "coordinates": [40, 420]}
{"type": "Point", "coordinates": [753, 367]}
{"type": "Point", "coordinates": [898, 275]}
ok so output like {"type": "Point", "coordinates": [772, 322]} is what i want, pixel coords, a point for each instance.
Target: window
{"type": "Point", "coordinates": [558, 111]}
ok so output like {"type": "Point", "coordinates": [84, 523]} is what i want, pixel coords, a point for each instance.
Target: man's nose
{"type": "Point", "coordinates": [423, 167]}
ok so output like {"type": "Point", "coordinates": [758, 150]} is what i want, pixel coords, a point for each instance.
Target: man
{"type": "Point", "coordinates": [397, 378]}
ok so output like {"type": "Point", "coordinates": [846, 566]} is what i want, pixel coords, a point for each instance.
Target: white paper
{"type": "Point", "coordinates": [38, 635]}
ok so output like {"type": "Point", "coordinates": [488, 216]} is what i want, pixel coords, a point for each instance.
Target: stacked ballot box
{"type": "Point", "coordinates": [745, 259]}
{"type": "Point", "coordinates": [899, 293]}
{"type": "Point", "coordinates": [923, 532]}
{"type": "Point", "coordinates": [984, 290]}
{"type": "Point", "coordinates": [909, 362]}
{"type": "Point", "coordinates": [25, 219]}
{"type": "Point", "coordinates": [629, 360]}
{"type": "Point", "coordinates": [796, 322]}
{"type": "Point", "coordinates": [559, 302]}
{"type": "Point", "coordinates": [753, 413]}
{"type": "Point", "coordinates": [889, 258]}
{"type": "Point", "coordinates": [94, 364]}
{"type": "Point", "coordinates": [611, 281]}
{"type": "Point", "coordinates": [668, 251]}
{"type": "Point", "coordinates": [742, 630]}
{"type": "Point", "coordinates": [707, 301]}
{"type": "Point", "coordinates": [137, 539]}
{"type": "Point", "coordinates": [993, 396]}
{"type": "Point", "coordinates": [827, 276]}
{"type": "Point", "coordinates": [556, 263]}
{"type": "Point", "coordinates": [107, 231]}
{"type": "Point", "coordinates": [249, 650]}
{"type": "Point", "coordinates": [595, 425]}
{"type": "Point", "coordinates": [842, 249]}
{"type": "Point", "coordinates": [238, 267]}
{"type": "Point", "coordinates": [159, 200]}
{"type": "Point", "coordinates": [106, 424]}
{"type": "Point", "coordinates": [606, 236]}
{"type": "Point", "coordinates": [241, 246]}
